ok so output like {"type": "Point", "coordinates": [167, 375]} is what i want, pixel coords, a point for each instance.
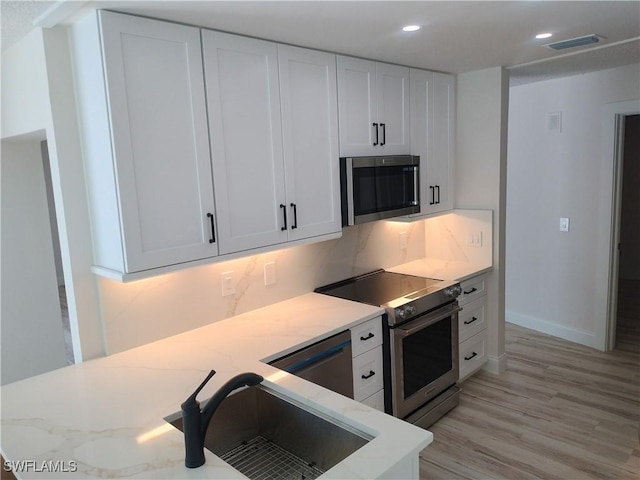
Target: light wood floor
{"type": "Point", "coordinates": [560, 411]}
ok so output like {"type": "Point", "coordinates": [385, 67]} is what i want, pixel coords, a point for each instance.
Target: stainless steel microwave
{"type": "Point", "coordinates": [375, 188]}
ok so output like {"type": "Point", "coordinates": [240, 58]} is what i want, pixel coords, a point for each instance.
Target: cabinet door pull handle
{"type": "Point", "coordinates": [213, 229]}
{"type": "Point", "coordinates": [295, 216]}
{"type": "Point", "coordinates": [368, 337]}
{"type": "Point", "coordinates": [384, 133]}
{"type": "Point", "coordinates": [376, 142]}
{"type": "Point", "coordinates": [474, 289]}
{"type": "Point", "coordinates": [432, 191]}
{"type": "Point", "coordinates": [371, 374]}
{"type": "Point", "coordinates": [471, 356]}
{"type": "Point", "coordinates": [469, 322]}
{"type": "Point", "coordinates": [284, 213]}
{"type": "Point", "coordinates": [438, 192]}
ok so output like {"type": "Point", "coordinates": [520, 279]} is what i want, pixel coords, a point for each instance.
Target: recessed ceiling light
{"type": "Point", "coordinates": [540, 36]}
{"type": "Point", "coordinates": [411, 28]}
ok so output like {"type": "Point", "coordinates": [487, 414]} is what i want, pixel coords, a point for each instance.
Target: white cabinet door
{"type": "Point", "coordinates": [310, 140]}
{"type": "Point", "coordinates": [373, 107]}
{"type": "Point", "coordinates": [432, 117]}
{"type": "Point", "coordinates": [157, 116]}
{"type": "Point", "coordinates": [243, 103]}
{"type": "Point", "coordinates": [357, 106]}
{"type": "Point", "coordinates": [393, 109]}
{"type": "Point", "coordinates": [443, 138]}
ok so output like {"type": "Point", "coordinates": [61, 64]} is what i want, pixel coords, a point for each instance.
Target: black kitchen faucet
{"type": "Point", "coordinates": [195, 422]}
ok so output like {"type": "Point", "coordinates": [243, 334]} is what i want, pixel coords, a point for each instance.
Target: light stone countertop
{"type": "Point", "coordinates": [107, 415]}
{"type": "Point", "coordinates": [442, 269]}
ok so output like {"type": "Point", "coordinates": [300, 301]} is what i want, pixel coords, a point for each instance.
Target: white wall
{"type": "Point", "coordinates": [146, 310]}
{"type": "Point", "coordinates": [31, 323]}
{"type": "Point", "coordinates": [25, 93]}
{"type": "Point", "coordinates": [557, 282]}
{"type": "Point", "coordinates": [37, 96]}
{"type": "Point", "coordinates": [480, 174]}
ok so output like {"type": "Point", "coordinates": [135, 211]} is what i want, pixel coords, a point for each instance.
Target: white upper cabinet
{"type": "Point", "coordinates": [310, 133]}
{"type": "Point", "coordinates": [243, 102]}
{"type": "Point", "coordinates": [273, 129]}
{"type": "Point", "coordinates": [432, 137]}
{"type": "Point", "coordinates": [373, 105]}
{"type": "Point", "coordinates": [147, 154]}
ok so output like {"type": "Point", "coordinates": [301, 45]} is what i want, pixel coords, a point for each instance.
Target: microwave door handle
{"type": "Point", "coordinates": [350, 207]}
{"type": "Point", "coordinates": [424, 324]}
{"type": "Point", "coordinates": [416, 187]}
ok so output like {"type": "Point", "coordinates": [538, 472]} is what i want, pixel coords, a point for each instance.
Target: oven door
{"type": "Point", "coordinates": [424, 358]}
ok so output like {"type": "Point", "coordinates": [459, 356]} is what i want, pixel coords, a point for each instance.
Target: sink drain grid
{"type": "Point", "coordinates": [261, 459]}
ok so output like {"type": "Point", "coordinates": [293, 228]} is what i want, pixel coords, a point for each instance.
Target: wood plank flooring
{"type": "Point", "coordinates": [560, 411]}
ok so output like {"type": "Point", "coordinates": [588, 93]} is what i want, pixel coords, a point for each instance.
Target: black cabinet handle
{"type": "Point", "coordinates": [295, 216]}
{"type": "Point", "coordinates": [376, 142]}
{"type": "Point", "coordinates": [384, 134]}
{"type": "Point", "coordinates": [368, 337]}
{"type": "Point", "coordinates": [438, 191]}
{"type": "Point", "coordinates": [284, 213]}
{"type": "Point", "coordinates": [371, 374]}
{"type": "Point", "coordinates": [470, 357]}
{"type": "Point", "coordinates": [474, 289]}
{"type": "Point", "coordinates": [469, 322]}
{"type": "Point", "coordinates": [213, 229]}
{"type": "Point", "coordinates": [432, 191]}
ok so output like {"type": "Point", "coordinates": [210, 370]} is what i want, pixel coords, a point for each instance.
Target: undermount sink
{"type": "Point", "coordinates": [264, 434]}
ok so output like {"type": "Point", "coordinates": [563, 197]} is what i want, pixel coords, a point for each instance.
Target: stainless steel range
{"type": "Point", "coordinates": [420, 341]}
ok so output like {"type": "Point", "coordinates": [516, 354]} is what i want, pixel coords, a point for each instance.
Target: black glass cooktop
{"type": "Point", "coordinates": [380, 287]}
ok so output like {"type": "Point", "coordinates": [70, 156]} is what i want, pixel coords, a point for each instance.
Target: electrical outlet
{"type": "Point", "coordinates": [270, 273]}
{"type": "Point", "coordinates": [228, 284]}
{"type": "Point", "coordinates": [564, 224]}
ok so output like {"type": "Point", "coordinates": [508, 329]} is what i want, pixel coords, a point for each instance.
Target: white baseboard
{"type": "Point", "coordinates": [496, 364]}
{"type": "Point", "coordinates": [562, 331]}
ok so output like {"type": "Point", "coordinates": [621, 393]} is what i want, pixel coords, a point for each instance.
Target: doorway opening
{"type": "Point", "coordinates": [627, 320]}
{"type": "Point", "coordinates": [57, 255]}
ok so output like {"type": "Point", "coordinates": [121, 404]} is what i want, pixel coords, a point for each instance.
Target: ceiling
{"type": "Point", "coordinates": [456, 36]}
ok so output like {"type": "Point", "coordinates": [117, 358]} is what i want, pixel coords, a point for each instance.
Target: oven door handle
{"type": "Point", "coordinates": [422, 324]}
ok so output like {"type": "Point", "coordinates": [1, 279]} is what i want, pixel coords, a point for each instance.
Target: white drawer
{"type": "Point", "coordinates": [366, 336]}
{"type": "Point", "coordinates": [471, 320]}
{"type": "Point", "coordinates": [473, 354]}
{"type": "Point", "coordinates": [367, 374]}
{"type": "Point", "coordinates": [375, 401]}
{"type": "Point", "coordinates": [472, 289]}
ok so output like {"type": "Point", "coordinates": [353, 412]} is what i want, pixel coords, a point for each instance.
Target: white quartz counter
{"type": "Point", "coordinates": [104, 417]}
{"type": "Point", "coordinates": [443, 269]}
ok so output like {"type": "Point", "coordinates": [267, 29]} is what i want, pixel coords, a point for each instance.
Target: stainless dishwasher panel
{"type": "Point", "coordinates": [326, 363]}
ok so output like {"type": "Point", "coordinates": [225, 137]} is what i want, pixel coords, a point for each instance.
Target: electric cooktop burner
{"type": "Point", "coordinates": [394, 291]}
{"type": "Point", "coordinates": [382, 287]}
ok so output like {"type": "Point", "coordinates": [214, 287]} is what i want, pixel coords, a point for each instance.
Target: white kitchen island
{"type": "Point", "coordinates": [105, 417]}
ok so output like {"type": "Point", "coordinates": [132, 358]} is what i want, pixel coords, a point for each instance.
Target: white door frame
{"type": "Point", "coordinates": [613, 151]}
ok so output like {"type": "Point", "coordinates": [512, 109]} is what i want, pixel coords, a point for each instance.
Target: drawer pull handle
{"type": "Point", "coordinates": [368, 337]}
{"type": "Point", "coordinates": [474, 289]}
{"type": "Point", "coordinates": [371, 374]}
{"type": "Point", "coordinates": [469, 322]}
{"type": "Point", "coordinates": [470, 357]}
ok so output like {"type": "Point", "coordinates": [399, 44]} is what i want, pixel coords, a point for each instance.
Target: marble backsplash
{"type": "Point", "coordinates": [140, 312]}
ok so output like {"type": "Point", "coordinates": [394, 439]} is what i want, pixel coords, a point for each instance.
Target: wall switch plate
{"type": "Point", "coordinates": [403, 238]}
{"type": "Point", "coordinates": [270, 273]}
{"type": "Point", "coordinates": [228, 285]}
{"type": "Point", "coordinates": [564, 224]}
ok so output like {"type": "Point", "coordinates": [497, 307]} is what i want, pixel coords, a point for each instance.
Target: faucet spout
{"type": "Point", "coordinates": [195, 421]}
